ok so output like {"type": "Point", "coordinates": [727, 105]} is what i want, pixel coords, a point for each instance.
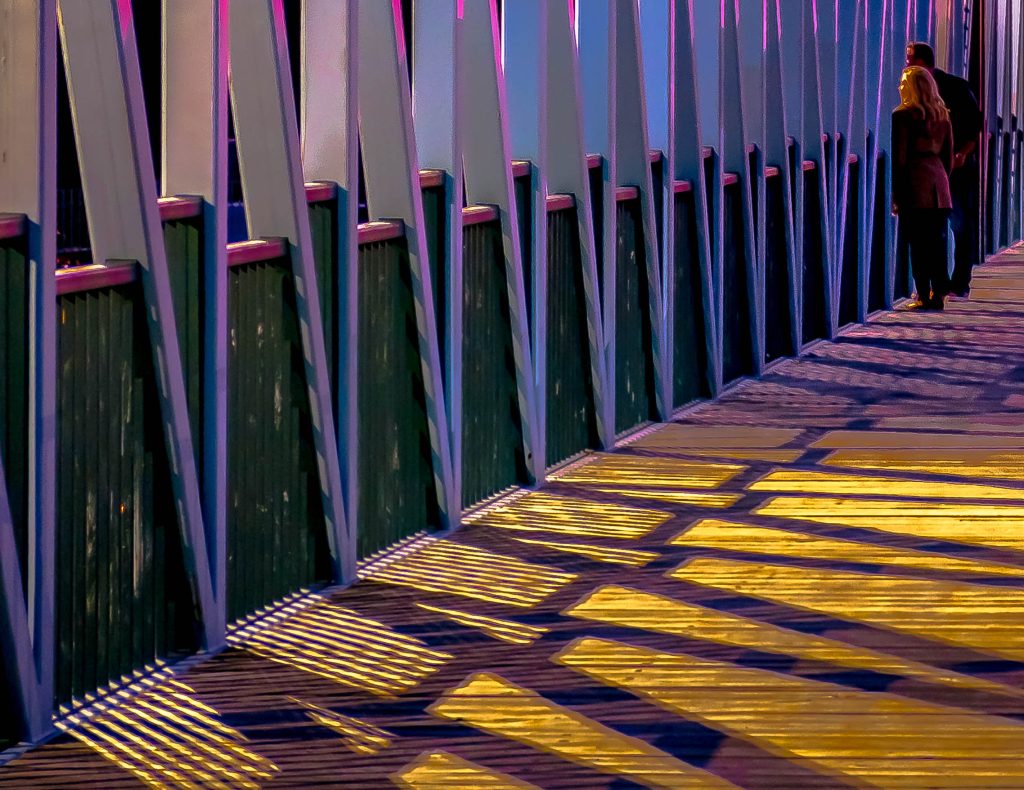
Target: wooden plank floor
{"type": "Point", "coordinates": [814, 582]}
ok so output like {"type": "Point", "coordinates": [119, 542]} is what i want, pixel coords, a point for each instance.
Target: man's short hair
{"type": "Point", "coordinates": [923, 52]}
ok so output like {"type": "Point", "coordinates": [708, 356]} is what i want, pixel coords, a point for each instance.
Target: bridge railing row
{"type": "Point", "coordinates": [124, 604]}
{"type": "Point", "coordinates": [195, 431]}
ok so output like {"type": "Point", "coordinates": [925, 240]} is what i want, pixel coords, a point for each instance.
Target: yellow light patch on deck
{"type": "Point", "coordinates": [912, 440]}
{"type": "Point", "coordinates": [989, 464]}
{"type": "Point", "coordinates": [732, 536]}
{"type": "Point", "coordinates": [344, 647]}
{"type": "Point", "coordinates": [698, 498]}
{"type": "Point", "coordinates": [637, 609]}
{"type": "Point", "coordinates": [444, 566]}
{"type": "Point", "coordinates": [166, 736]}
{"type": "Point", "coordinates": [740, 442]}
{"type": "Point", "coordinates": [442, 770]}
{"type": "Point", "coordinates": [674, 436]}
{"type": "Point", "coordinates": [542, 512]}
{"type": "Point", "coordinates": [977, 423]}
{"type": "Point", "coordinates": [609, 554]}
{"type": "Point", "coordinates": [880, 739]}
{"type": "Point", "coordinates": [996, 526]}
{"type": "Point", "coordinates": [979, 617]}
{"type": "Point", "coordinates": [358, 736]}
{"type": "Point", "coordinates": [494, 627]}
{"type": "Point", "coordinates": [799, 481]}
{"type": "Point", "coordinates": [652, 472]}
{"type": "Point", "coordinates": [494, 705]}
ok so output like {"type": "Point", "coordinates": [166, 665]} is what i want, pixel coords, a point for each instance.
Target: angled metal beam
{"type": "Point", "coordinates": [615, 126]}
{"type": "Point", "coordinates": [736, 81]}
{"type": "Point", "coordinates": [28, 166]}
{"type": "Point", "coordinates": [488, 172]}
{"type": "Point", "coordinates": [657, 32]}
{"type": "Point", "coordinates": [542, 73]}
{"type": "Point", "coordinates": [566, 173]}
{"type": "Point", "coordinates": [330, 152]}
{"type": "Point", "coordinates": [195, 162]}
{"type": "Point", "coordinates": [633, 167]}
{"type": "Point", "coordinates": [857, 135]}
{"type": "Point", "coordinates": [776, 152]}
{"type": "Point", "coordinates": [688, 165]}
{"type": "Point", "coordinates": [437, 107]}
{"type": "Point", "coordinates": [266, 129]}
{"type": "Point", "coordinates": [105, 87]}
{"type": "Point", "coordinates": [814, 147]}
{"type": "Point", "coordinates": [826, 35]}
{"type": "Point", "coordinates": [595, 34]}
{"type": "Point", "coordinates": [393, 190]}
{"type": "Point", "coordinates": [706, 23]}
{"type": "Point", "coordinates": [524, 54]}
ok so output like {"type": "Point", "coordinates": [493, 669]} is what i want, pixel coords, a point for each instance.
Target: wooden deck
{"type": "Point", "coordinates": [815, 581]}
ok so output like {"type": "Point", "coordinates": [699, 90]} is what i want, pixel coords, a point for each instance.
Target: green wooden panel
{"type": "Point", "coordinates": [778, 312]}
{"type": "Point", "coordinates": [397, 496]}
{"type": "Point", "coordinates": [524, 205]}
{"type": "Point", "coordinates": [14, 283]}
{"type": "Point", "coordinates": [1006, 154]}
{"type": "Point", "coordinates": [737, 348]}
{"type": "Point", "coordinates": [276, 532]}
{"type": "Point", "coordinates": [988, 233]}
{"type": "Point", "coordinates": [183, 240]}
{"type": "Point", "coordinates": [880, 207]}
{"type": "Point", "coordinates": [595, 174]}
{"type": "Point", "coordinates": [689, 337]}
{"type": "Point", "coordinates": [848, 294]}
{"type": "Point", "coordinates": [571, 417]}
{"type": "Point", "coordinates": [123, 599]}
{"type": "Point", "coordinates": [634, 366]}
{"type": "Point", "coordinates": [815, 313]}
{"type": "Point", "coordinates": [435, 223]}
{"type": "Point", "coordinates": [492, 431]}
{"type": "Point", "coordinates": [324, 229]}
{"type": "Point", "coordinates": [14, 340]}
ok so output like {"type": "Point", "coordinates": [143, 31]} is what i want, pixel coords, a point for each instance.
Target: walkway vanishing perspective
{"type": "Point", "coordinates": [813, 582]}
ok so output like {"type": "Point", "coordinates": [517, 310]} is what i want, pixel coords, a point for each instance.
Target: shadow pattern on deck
{"type": "Point", "coordinates": [815, 581]}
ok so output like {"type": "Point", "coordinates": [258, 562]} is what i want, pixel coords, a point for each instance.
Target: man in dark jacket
{"type": "Point", "coordinates": [965, 180]}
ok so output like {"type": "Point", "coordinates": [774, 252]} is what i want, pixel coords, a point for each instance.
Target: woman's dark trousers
{"type": "Point", "coordinates": [926, 232]}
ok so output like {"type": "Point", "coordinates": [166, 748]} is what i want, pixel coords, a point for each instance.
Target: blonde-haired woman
{"type": "Point", "coordinates": [922, 158]}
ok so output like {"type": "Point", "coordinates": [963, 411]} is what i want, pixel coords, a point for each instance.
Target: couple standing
{"type": "Point", "coordinates": [935, 171]}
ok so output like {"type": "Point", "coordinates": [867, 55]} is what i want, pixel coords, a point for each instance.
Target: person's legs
{"type": "Point", "coordinates": [937, 235]}
{"type": "Point", "coordinates": [915, 239]}
{"type": "Point", "coordinates": [903, 262]}
{"type": "Point", "coordinates": [964, 188]}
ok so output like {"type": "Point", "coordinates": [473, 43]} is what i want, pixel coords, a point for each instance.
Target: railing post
{"type": "Point", "coordinates": [28, 166]}
{"type": "Point", "coordinates": [485, 133]}
{"type": "Point", "coordinates": [393, 190]}
{"type": "Point", "coordinates": [438, 107]}
{"type": "Point", "coordinates": [195, 139]}
{"type": "Point", "coordinates": [105, 87]}
{"type": "Point", "coordinates": [266, 128]}
{"type": "Point", "coordinates": [330, 152]}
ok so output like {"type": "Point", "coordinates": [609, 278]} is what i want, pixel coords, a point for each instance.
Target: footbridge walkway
{"type": "Point", "coordinates": [816, 581]}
